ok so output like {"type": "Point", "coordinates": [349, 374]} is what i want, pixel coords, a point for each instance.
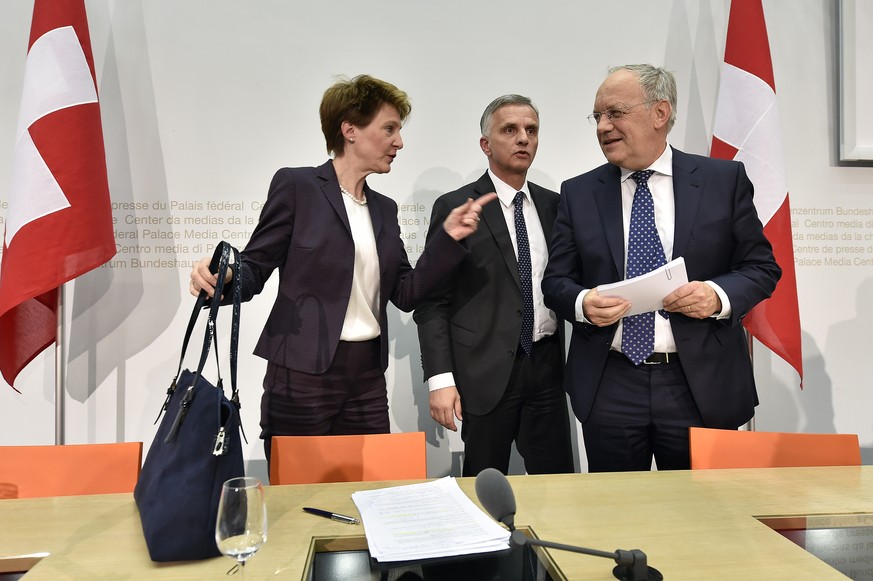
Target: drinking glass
{"type": "Point", "coordinates": [241, 527]}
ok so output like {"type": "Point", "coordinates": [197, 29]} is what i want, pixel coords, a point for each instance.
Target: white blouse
{"type": "Point", "coordinates": [362, 315]}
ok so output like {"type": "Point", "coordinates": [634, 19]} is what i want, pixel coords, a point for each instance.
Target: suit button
{"type": "Point", "coordinates": [511, 353]}
{"type": "Point", "coordinates": [518, 313]}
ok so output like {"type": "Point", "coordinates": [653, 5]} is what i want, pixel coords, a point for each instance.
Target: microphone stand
{"type": "Point", "coordinates": [630, 565]}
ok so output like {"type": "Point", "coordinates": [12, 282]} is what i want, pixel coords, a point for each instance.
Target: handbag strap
{"type": "Point", "coordinates": [234, 335]}
{"type": "Point", "coordinates": [201, 301]}
{"type": "Point", "coordinates": [218, 264]}
{"type": "Point", "coordinates": [209, 336]}
{"type": "Point", "coordinates": [220, 444]}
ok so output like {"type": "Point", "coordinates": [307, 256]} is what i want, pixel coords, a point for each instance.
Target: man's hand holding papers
{"type": "Point", "coordinates": [646, 293]}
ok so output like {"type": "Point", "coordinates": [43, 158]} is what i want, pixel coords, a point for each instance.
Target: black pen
{"type": "Point", "coordinates": [349, 520]}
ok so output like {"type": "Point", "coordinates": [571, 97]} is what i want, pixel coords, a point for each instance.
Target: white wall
{"type": "Point", "coordinates": [204, 100]}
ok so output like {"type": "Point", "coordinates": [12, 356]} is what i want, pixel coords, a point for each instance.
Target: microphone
{"type": "Point", "coordinates": [495, 494]}
{"type": "Point", "coordinates": [630, 565]}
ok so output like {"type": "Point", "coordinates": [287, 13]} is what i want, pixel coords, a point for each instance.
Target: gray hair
{"type": "Point", "coordinates": [503, 101]}
{"type": "Point", "coordinates": [658, 84]}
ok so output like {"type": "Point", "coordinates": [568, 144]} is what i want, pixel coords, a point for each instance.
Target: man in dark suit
{"type": "Point", "coordinates": [692, 366]}
{"type": "Point", "coordinates": [492, 353]}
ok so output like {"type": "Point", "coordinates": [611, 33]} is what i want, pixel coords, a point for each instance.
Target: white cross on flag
{"type": "Point", "coordinates": [59, 219]}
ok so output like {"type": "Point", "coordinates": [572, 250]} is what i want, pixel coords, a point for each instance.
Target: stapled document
{"type": "Point", "coordinates": [646, 292]}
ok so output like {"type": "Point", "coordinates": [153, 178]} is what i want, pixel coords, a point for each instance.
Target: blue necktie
{"type": "Point", "coordinates": [524, 276]}
{"type": "Point", "coordinates": [644, 254]}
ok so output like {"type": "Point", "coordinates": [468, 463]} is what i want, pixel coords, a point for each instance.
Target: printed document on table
{"type": "Point", "coordinates": [646, 292]}
{"type": "Point", "coordinates": [422, 521]}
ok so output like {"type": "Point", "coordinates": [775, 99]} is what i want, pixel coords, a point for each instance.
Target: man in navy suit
{"type": "Point", "coordinates": [696, 371]}
{"type": "Point", "coordinates": [476, 362]}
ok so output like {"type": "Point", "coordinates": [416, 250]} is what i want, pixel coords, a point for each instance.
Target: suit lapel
{"type": "Point", "coordinates": [687, 192]}
{"type": "Point", "coordinates": [545, 210]}
{"type": "Point", "coordinates": [492, 217]}
{"type": "Point", "coordinates": [375, 211]}
{"type": "Point", "coordinates": [330, 190]}
{"type": "Point", "coordinates": [607, 196]}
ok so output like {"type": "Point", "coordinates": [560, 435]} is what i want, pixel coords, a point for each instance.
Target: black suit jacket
{"type": "Point", "coordinates": [718, 233]}
{"type": "Point", "coordinates": [471, 325]}
{"type": "Point", "coordinates": [304, 231]}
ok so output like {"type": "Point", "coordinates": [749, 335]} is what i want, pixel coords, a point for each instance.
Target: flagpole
{"type": "Point", "coordinates": [59, 370]}
{"type": "Point", "coordinates": [750, 425]}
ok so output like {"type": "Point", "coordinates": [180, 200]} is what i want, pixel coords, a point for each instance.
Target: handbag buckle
{"type": "Point", "coordinates": [219, 447]}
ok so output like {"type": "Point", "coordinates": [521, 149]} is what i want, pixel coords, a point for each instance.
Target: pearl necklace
{"type": "Point", "coordinates": [351, 196]}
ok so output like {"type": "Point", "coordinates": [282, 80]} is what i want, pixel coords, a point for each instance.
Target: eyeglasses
{"type": "Point", "coordinates": [616, 114]}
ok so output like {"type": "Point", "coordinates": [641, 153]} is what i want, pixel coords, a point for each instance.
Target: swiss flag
{"type": "Point", "coordinates": [747, 129]}
{"type": "Point", "coordinates": [59, 220]}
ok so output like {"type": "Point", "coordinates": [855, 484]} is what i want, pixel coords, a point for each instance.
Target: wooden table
{"type": "Point", "coordinates": [692, 525]}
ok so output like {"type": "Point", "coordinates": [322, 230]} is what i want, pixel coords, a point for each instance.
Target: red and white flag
{"type": "Point", "coordinates": [59, 220]}
{"type": "Point", "coordinates": [747, 129]}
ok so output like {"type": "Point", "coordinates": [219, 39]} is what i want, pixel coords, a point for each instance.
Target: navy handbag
{"type": "Point", "coordinates": [197, 446]}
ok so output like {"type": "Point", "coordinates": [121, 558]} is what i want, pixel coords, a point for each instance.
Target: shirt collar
{"type": "Point", "coordinates": [505, 192]}
{"type": "Point", "coordinates": [663, 165]}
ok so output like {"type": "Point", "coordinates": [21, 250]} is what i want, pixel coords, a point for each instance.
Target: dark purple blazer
{"type": "Point", "coordinates": [304, 231]}
{"type": "Point", "coordinates": [718, 233]}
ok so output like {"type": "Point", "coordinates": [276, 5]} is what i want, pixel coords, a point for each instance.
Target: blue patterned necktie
{"type": "Point", "coordinates": [524, 276]}
{"type": "Point", "coordinates": [644, 254]}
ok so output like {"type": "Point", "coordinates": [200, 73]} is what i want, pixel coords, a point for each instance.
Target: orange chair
{"type": "Point", "coordinates": [749, 449]}
{"type": "Point", "coordinates": [310, 459]}
{"type": "Point", "coordinates": [69, 470]}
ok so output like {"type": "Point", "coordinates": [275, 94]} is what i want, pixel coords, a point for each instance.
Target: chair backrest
{"type": "Point", "coordinates": [69, 470]}
{"type": "Point", "coordinates": [310, 459]}
{"type": "Point", "coordinates": [712, 448]}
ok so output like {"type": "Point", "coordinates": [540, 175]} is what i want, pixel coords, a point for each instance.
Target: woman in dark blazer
{"type": "Point", "coordinates": [337, 246]}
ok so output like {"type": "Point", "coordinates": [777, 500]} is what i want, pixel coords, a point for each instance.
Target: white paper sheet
{"type": "Point", "coordinates": [646, 292]}
{"type": "Point", "coordinates": [421, 521]}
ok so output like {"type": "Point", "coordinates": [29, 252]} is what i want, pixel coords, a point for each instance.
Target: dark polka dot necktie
{"type": "Point", "coordinates": [524, 276]}
{"type": "Point", "coordinates": [644, 254]}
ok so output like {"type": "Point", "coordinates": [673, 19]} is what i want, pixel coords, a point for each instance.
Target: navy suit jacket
{"type": "Point", "coordinates": [718, 233]}
{"type": "Point", "coordinates": [471, 325]}
{"type": "Point", "coordinates": [304, 231]}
